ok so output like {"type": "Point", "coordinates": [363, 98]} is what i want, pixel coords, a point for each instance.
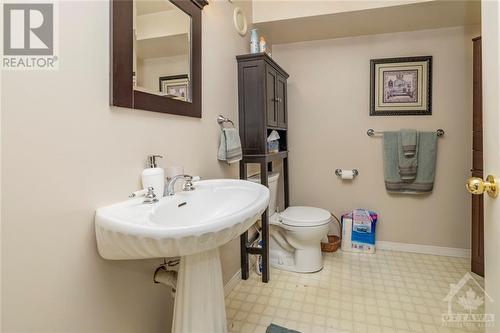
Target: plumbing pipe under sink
{"type": "Point", "coordinates": [166, 277]}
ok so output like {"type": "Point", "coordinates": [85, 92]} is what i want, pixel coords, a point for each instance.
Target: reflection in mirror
{"type": "Point", "coordinates": [162, 48]}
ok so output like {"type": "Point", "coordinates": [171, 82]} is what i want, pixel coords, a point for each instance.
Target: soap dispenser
{"type": "Point", "coordinates": [153, 176]}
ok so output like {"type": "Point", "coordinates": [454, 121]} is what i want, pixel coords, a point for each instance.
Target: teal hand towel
{"type": "Point", "coordinates": [427, 153]}
{"type": "Point", "coordinates": [391, 159]}
{"type": "Point", "coordinates": [409, 142]}
{"type": "Point", "coordinates": [408, 163]}
{"type": "Point", "coordinates": [229, 146]}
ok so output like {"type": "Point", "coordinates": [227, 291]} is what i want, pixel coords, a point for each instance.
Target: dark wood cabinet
{"type": "Point", "coordinates": [262, 96]}
{"type": "Point", "coordinates": [262, 90]}
{"type": "Point", "coordinates": [271, 93]}
{"type": "Point", "coordinates": [477, 242]}
{"type": "Point", "coordinates": [281, 103]}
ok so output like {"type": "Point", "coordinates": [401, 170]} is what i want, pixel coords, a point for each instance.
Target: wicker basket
{"type": "Point", "coordinates": [333, 240]}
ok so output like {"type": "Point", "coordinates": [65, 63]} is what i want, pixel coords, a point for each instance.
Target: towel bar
{"type": "Point", "coordinates": [372, 132]}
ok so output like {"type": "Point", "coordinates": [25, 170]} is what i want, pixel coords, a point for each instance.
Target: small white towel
{"type": "Point", "coordinates": [230, 146]}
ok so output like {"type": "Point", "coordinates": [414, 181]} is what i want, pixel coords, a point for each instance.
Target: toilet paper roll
{"type": "Point", "coordinates": [347, 174]}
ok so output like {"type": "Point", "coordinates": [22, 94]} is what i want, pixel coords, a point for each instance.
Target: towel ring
{"type": "Point", "coordinates": [221, 120]}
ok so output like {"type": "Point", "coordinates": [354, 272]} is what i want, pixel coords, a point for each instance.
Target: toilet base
{"type": "Point", "coordinates": [297, 248]}
{"type": "Point", "coordinates": [296, 262]}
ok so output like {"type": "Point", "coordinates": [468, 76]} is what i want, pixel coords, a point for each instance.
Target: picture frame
{"type": "Point", "coordinates": [401, 86]}
{"type": "Point", "coordinates": [175, 86]}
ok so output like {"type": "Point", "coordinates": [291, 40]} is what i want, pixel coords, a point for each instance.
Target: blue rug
{"type": "Point", "coordinates": [278, 329]}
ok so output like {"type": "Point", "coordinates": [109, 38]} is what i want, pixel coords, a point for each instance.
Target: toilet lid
{"type": "Point", "coordinates": [302, 216]}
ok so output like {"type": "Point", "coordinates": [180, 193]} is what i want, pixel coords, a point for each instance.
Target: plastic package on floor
{"type": "Point", "coordinates": [358, 231]}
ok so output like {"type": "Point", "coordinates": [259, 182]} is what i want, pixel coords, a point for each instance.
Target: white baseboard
{"type": "Point", "coordinates": [229, 286]}
{"type": "Point", "coordinates": [425, 249]}
{"type": "Point", "coordinates": [232, 283]}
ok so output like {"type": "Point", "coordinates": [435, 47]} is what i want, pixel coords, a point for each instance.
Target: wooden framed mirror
{"type": "Point", "coordinates": [156, 55]}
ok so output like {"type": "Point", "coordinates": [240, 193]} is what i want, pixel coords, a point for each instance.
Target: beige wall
{"type": "Point", "coordinates": [328, 98]}
{"type": "Point", "coordinates": [65, 152]}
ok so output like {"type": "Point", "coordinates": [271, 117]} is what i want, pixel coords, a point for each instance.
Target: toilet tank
{"type": "Point", "coordinates": [272, 180]}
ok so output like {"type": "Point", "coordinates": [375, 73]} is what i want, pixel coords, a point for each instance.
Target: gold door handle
{"type": "Point", "coordinates": [477, 186]}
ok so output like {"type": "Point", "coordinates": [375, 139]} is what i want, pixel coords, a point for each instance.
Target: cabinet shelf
{"type": "Point", "coordinates": [266, 158]}
{"type": "Point", "coordinates": [277, 128]}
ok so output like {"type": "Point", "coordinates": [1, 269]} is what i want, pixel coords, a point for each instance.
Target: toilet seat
{"type": "Point", "coordinates": [303, 216]}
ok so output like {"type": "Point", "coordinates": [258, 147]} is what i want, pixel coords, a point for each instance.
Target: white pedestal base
{"type": "Point", "coordinates": [199, 301]}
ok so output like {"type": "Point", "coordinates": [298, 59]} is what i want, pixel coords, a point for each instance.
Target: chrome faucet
{"type": "Point", "coordinates": [148, 194]}
{"type": "Point", "coordinates": [188, 185]}
{"type": "Point", "coordinates": [150, 197]}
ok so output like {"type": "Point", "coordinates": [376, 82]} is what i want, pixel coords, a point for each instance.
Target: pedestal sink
{"type": "Point", "coordinates": [191, 225]}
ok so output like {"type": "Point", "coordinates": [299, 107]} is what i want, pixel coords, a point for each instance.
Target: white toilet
{"type": "Point", "coordinates": [295, 233]}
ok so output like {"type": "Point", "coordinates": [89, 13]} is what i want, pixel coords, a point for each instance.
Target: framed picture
{"type": "Point", "coordinates": [401, 86]}
{"type": "Point", "coordinates": [175, 86]}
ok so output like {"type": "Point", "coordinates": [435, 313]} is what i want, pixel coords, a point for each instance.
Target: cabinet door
{"type": "Point", "coordinates": [271, 101]}
{"type": "Point", "coordinates": [281, 102]}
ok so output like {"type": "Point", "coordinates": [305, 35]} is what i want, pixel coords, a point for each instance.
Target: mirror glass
{"type": "Point", "coordinates": [162, 49]}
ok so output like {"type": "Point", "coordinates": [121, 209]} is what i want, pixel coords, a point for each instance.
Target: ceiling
{"type": "Point", "coordinates": [410, 17]}
{"type": "Point", "coordinates": [145, 7]}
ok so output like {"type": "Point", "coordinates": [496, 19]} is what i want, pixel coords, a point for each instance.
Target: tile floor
{"type": "Point", "coordinates": [385, 292]}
